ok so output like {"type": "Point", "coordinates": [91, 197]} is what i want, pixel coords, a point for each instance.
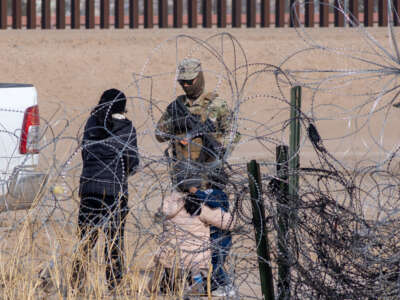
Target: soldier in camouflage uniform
{"type": "Point", "coordinates": [197, 125]}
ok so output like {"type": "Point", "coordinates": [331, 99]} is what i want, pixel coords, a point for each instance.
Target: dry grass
{"type": "Point", "coordinates": [38, 265]}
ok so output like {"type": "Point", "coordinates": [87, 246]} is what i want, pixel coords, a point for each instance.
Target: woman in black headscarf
{"type": "Point", "coordinates": [110, 155]}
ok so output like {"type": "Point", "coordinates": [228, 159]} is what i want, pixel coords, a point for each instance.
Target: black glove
{"type": "Point", "coordinates": [193, 205]}
{"type": "Point", "coordinates": [159, 217]}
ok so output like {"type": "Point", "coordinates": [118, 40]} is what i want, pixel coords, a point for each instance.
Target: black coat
{"type": "Point", "coordinates": [108, 158]}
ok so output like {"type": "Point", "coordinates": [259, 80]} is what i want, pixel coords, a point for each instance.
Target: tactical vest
{"type": "Point", "coordinates": [190, 143]}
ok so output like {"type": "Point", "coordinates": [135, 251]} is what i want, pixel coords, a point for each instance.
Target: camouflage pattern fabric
{"type": "Point", "coordinates": [188, 69]}
{"type": "Point", "coordinates": [198, 166]}
{"type": "Point", "coordinates": [208, 105]}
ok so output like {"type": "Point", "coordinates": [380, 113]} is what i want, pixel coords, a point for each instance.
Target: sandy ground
{"type": "Point", "coordinates": [71, 68]}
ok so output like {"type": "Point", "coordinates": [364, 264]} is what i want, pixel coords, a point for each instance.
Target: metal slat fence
{"type": "Point", "coordinates": [18, 14]}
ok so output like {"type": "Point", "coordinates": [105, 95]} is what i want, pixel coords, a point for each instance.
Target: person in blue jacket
{"type": "Point", "coordinates": [221, 242]}
{"type": "Point", "coordinates": [109, 155]}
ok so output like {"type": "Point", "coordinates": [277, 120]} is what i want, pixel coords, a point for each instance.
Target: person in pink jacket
{"type": "Point", "coordinates": [185, 242]}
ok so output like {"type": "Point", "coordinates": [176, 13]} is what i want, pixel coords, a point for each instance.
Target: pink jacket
{"type": "Point", "coordinates": [186, 239]}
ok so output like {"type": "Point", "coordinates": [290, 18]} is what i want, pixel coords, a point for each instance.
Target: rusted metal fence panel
{"type": "Point", "coordinates": [237, 13]}
{"type": "Point", "coordinates": [354, 13]}
{"type": "Point", "coordinates": [46, 14]}
{"type": "Point", "coordinates": [16, 14]}
{"type": "Point", "coordinates": [382, 13]}
{"type": "Point", "coordinates": [324, 13]}
{"type": "Point", "coordinates": [148, 14]}
{"type": "Point", "coordinates": [338, 15]}
{"type": "Point", "coordinates": [265, 13]}
{"type": "Point", "coordinates": [253, 16]}
{"type": "Point", "coordinates": [75, 14]}
{"type": "Point", "coordinates": [133, 13]}
{"type": "Point", "coordinates": [294, 13]}
{"type": "Point", "coordinates": [104, 13]}
{"type": "Point", "coordinates": [31, 14]}
{"type": "Point", "coordinates": [368, 12]}
{"type": "Point", "coordinates": [3, 14]}
{"type": "Point", "coordinates": [221, 13]}
{"type": "Point", "coordinates": [309, 14]}
{"type": "Point", "coordinates": [162, 13]}
{"type": "Point", "coordinates": [119, 14]}
{"type": "Point", "coordinates": [60, 14]}
{"type": "Point", "coordinates": [192, 13]}
{"type": "Point", "coordinates": [207, 13]}
{"type": "Point", "coordinates": [396, 11]}
{"type": "Point", "coordinates": [279, 13]}
{"type": "Point", "coordinates": [251, 13]}
{"type": "Point", "coordinates": [89, 14]}
{"type": "Point", "coordinates": [178, 13]}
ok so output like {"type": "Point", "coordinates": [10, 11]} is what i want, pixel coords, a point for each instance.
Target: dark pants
{"type": "Point", "coordinates": [108, 213]}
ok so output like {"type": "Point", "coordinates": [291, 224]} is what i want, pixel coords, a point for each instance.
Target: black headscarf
{"type": "Point", "coordinates": [112, 101]}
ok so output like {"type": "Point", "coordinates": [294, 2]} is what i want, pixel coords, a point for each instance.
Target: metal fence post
{"type": "Point", "coordinates": [267, 286]}
{"type": "Point", "coordinates": [294, 159]}
{"type": "Point", "coordinates": [323, 13]}
{"type": "Point", "coordinates": [3, 14]}
{"type": "Point", "coordinates": [221, 13]}
{"type": "Point", "coordinates": [288, 201]}
{"type": "Point", "coordinates": [283, 210]}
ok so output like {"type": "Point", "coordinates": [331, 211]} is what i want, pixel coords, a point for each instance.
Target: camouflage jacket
{"type": "Point", "coordinates": [207, 106]}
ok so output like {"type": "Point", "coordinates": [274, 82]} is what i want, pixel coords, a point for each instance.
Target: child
{"type": "Point", "coordinates": [185, 241]}
{"type": "Point", "coordinates": [221, 242]}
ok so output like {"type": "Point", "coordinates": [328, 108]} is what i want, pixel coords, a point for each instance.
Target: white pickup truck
{"type": "Point", "coordinates": [21, 183]}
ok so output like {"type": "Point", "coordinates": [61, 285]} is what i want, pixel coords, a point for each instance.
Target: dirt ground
{"type": "Point", "coordinates": [71, 68]}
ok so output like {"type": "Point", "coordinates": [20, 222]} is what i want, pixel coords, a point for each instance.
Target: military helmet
{"type": "Point", "coordinates": [188, 69]}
